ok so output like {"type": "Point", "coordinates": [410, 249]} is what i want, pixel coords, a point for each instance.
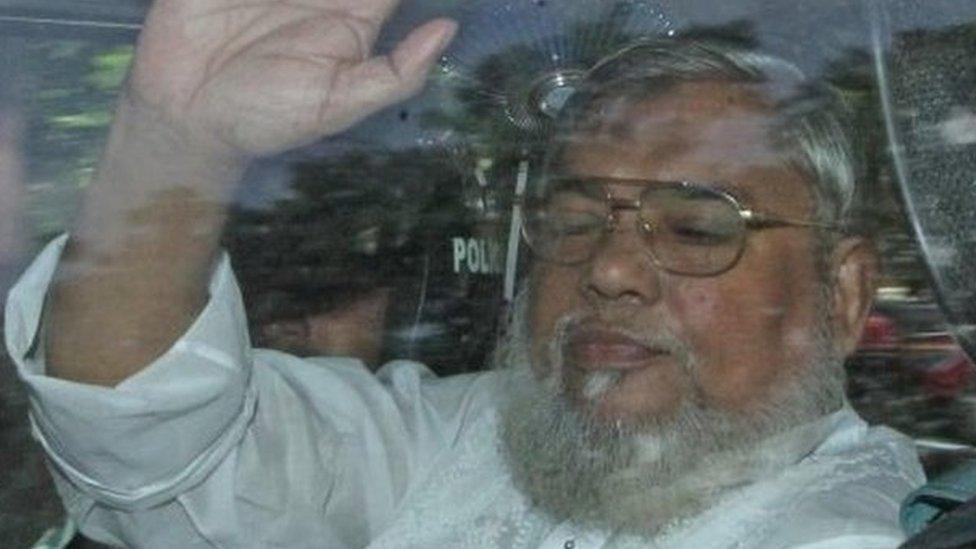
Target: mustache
{"type": "Point", "coordinates": [654, 334]}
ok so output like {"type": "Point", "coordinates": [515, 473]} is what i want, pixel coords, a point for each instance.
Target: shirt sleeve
{"type": "Point", "coordinates": [216, 444]}
{"type": "Point", "coordinates": [157, 433]}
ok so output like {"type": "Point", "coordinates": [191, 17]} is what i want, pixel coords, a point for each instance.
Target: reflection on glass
{"type": "Point", "coordinates": [395, 247]}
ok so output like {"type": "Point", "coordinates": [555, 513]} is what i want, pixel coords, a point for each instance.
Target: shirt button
{"type": "Point", "coordinates": [570, 544]}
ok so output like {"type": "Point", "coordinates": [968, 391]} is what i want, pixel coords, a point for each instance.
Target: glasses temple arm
{"type": "Point", "coordinates": [759, 220]}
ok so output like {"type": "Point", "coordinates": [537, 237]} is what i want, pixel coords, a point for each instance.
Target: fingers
{"type": "Point", "coordinates": [418, 51]}
{"type": "Point", "coordinates": [385, 80]}
{"type": "Point", "coordinates": [413, 58]}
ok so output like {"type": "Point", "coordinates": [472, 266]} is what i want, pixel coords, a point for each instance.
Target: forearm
{"type": "Point", "coordinates": [135, 272]}
{"type": "Point", "coordinates": [213, 84]}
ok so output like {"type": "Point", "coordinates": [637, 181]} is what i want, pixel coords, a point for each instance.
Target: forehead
{"type": "Point", "coordinates": [709, 132]}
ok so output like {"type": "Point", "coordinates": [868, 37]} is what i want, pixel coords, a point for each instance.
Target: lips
{"type": "Point", "coordinates": [601, 349]}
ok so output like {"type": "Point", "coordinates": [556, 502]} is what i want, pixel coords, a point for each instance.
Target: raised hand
{"type": "Point", "coordinates": [261, 76]}
{"type": "Point", "coordinates": [215, 84]}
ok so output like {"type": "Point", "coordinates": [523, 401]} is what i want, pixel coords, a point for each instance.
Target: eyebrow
{"type": "Point", "coordinates": [592, 186]}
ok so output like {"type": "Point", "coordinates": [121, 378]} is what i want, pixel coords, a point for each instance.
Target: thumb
{"type": "Point", "coordinates": [384, 80]}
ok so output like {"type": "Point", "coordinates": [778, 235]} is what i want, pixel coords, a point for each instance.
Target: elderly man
{"type": "Point", "coordinates": [672, 377]}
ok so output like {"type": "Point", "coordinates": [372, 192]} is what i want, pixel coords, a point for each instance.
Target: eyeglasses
{"type": "Point", "coordinates": [687, 228]}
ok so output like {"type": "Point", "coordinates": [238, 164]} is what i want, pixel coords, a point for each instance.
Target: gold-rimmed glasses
{"type": "Point", "coordinates": [687, 228]}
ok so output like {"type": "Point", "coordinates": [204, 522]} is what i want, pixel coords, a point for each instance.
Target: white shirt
{"type": "Point", "coordinates": [217, 444]}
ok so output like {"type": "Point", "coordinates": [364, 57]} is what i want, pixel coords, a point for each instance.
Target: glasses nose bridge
{"type": "Point", "coordinates": [615, 205]}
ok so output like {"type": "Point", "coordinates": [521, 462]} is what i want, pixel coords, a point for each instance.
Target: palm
{"type": "Point", "coordinates": [265, 75]}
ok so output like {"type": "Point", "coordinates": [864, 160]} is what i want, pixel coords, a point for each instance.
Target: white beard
{"type": "Point", "coordinates": [642, 478]}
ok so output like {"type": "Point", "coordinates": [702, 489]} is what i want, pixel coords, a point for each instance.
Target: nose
{"type": "Point", "coordinates": [621, 271]}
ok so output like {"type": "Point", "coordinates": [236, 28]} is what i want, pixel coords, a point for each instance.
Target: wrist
{"type": "Point", "coordinates": [157, 182]}
{"type": "Point", "coordinates": [145, 129]}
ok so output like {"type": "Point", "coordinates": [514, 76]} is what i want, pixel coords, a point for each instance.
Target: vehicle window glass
{"type": "Point", "coordinates": [834, 147]}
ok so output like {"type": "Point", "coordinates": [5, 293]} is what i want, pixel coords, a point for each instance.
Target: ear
{"type": "Point", "coordinates": [854, 270]}
{"type": "Point", "coordinates": [289, 335]}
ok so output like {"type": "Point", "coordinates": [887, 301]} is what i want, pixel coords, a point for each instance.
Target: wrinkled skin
{"type": "Point", "coordinates": [745, 328]}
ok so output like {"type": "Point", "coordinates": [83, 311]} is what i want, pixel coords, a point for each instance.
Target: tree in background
{"type": "Point", "coordinates": [73, 85]}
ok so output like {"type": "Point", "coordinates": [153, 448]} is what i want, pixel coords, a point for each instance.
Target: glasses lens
{"type": "Point", "coordinates": [693, 230]}
{"type": "Point", "coordinates": [565, 224]}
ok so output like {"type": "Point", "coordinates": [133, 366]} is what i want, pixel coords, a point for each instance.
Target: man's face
{"type": "Point", "coordinates": [630, 343]}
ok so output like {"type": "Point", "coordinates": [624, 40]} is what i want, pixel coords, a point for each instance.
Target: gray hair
{"type": "Point", "coordinates": [818, 130]}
